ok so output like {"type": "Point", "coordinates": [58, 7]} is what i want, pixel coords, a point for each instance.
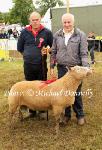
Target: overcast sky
{"type": "Point", "coordinates": [5, 5]}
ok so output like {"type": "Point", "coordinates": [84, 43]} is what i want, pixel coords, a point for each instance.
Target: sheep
{"type": "Point", "coordinates": [53, 96]}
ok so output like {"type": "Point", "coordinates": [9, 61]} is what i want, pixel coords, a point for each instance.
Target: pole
{"type": "Point", "coordinates": [68, 6]}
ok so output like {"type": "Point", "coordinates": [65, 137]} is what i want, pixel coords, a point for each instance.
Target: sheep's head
{"type": "Point", "coordinates": [80, 72]}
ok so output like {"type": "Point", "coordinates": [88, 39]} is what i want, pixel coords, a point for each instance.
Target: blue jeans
{"type": "Point", "coordinates": [78, 105]}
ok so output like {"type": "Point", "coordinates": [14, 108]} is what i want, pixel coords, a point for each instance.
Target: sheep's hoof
{"type": "Point", "coordinates": [57, 130]}
{"type": "Point", "coordinates": [65, 121]}
{"type": "Point", "coordinates": [56, 135]}
{"type": "Point", "coordinates": [62, 124]}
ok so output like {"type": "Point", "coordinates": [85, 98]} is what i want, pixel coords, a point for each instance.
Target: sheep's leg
{"type": "Point", "coordinates": [10, 119]}
{"type": "Point", "coordinates": [12, 110]}
{"type": "Point", "coordinates": [20, 115]}
{"type": "Point", "coordinates": [61, 117]}
{"type": "Point", "coordinates": [57, 110]}
{"type": "Point", "coordinates": [57, 124]}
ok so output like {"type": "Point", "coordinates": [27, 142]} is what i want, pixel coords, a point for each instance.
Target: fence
{"type": "Point", "coordinates": [8, 49]}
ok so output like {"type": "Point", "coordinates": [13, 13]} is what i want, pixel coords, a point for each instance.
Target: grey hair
{"type": "Point", "coordinates": [69, 16]}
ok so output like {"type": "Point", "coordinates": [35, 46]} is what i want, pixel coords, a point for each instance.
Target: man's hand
{"type": "Point", "coordinates": [45, 50]}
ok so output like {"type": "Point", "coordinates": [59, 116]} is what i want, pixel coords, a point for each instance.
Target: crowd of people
{"type": "Point", "coordinates": [9, 34]}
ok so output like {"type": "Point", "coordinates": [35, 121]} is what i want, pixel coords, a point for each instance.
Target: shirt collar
{"type": "Point", "coordinates": [71, 32]}
{"type": "Point", "coordinates": [29, 28]}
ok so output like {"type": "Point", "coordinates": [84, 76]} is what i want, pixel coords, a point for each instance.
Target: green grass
{"type": "Point", "coordinates": [39, 134]}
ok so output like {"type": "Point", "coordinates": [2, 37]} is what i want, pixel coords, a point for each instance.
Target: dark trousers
{"type": "Point", "coordinates": [92, 54]}
{"type": "Point", "coordinates": [78, 105]}
{"type": "Point", "coordinates": [91, 48]}
{"type": "Point", "coordinates": [35, 72]}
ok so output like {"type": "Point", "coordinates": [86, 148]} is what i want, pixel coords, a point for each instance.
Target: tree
{"type": "Point", "coordinates": [20, 11]}
{"type": "Point", "coordinates": [4, 17]}
{"type": "Point", "coordinates": [45, 4]}
{"type": "Point", "coordinates": [1, 17]}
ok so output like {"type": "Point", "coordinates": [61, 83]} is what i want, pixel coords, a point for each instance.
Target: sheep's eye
{"type": "Point", "coordinates": [78, 69]}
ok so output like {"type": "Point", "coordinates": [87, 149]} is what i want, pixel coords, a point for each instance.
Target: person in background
{"type": "Point", "coordinates": [91, 46]}
{"type": "Point", "coordinates": [3, 34]}
{"type": "Point", "coordinates": [9, 33]}
{"type": "Point", "coordinates": [69, 49]}
{"type": "Point", "coordinates": [30, 43]}
{"type": "Point", "coordinates": [15, 33]}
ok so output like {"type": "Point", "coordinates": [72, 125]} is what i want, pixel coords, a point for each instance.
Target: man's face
{"type": "Point", "coordinates": [67, 23]}
{"type": "Point", "coordinates": [35, 21]}
{"type": "Point", "coordinates": [91, 34]}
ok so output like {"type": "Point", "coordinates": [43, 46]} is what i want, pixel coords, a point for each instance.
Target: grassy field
{"type": "Point", "coordinates": [38, 134]}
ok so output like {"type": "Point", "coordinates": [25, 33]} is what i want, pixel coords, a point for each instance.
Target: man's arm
{"type": "Point", "coordinates": [53, 54]}
{"type": "Point", "coordinates": [20, 43]}
{"type": "Point", "coordinates": [49, 38]}
{"type": "Point", "coordinates": [84, 50]}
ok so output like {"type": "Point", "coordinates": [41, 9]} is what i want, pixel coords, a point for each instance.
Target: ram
{"type": "Point", "coordinates": [36, 96]}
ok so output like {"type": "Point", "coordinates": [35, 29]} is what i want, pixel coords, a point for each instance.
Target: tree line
{"type": "Point", "coordinates": [22, 8]}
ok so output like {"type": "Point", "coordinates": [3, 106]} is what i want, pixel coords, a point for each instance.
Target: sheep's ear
{"type": "Point", "coordinates": [71, 68]}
